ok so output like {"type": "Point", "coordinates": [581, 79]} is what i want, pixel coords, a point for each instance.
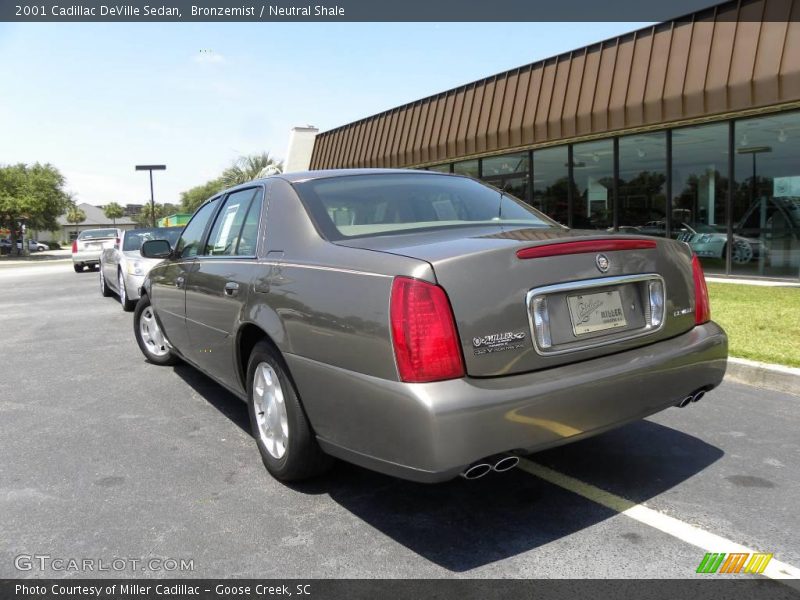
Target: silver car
{"type": "Point", "coordinates": [123, 268]}
{"type": "Point", "coordinates": [89, 245]}
{"type": "Point", "coordinates": [423, 325]}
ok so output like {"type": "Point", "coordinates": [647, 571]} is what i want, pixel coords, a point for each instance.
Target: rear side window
{"type": "Point", "coordinates": [236, 228]}
{"type": "Point", "coordinates": [189, 242]}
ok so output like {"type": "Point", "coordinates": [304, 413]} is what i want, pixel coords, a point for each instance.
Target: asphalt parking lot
{"type": "Point", "coordinates": [106, 456]}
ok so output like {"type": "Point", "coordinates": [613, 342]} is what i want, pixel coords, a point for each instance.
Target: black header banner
{"type": "Point", "coordinates": [360, 10]}
{"type": "Point", "coordinates": [380, 589]}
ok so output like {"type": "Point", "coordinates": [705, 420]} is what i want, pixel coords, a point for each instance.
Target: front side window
{"type": "Point", "coordinates": [365, 205]}
{"type": "Point", "coordinates": [227, 234]}
{"type": "Point", "coordinates": [189, 242]}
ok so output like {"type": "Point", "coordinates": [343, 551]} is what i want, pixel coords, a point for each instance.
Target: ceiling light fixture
{"type": "Point", "coordinates": [782, 135]}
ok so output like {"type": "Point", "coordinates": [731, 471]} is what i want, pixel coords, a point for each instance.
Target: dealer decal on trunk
{"type": "Point", "coordinates": [498, 342]}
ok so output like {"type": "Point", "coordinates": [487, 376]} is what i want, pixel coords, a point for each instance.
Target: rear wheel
{"type": "Point", "coordinates": [149, 336]}
{"type": "Point", "coordinates": [104, 290]}
{"type": "Point", "coordinates": [127, 305]}
{"type": "Point", "coordinates": [78, 268]}
{"type": "Point", "coordinates": [282, 432]}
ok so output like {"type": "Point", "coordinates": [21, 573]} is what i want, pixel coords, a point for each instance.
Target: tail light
{"type": "Point", "coordinates": [74, 246]}
{"type": "Point", "coordinates": [426, 344]}
{"type": "Point", "coordinates": [702, 305]}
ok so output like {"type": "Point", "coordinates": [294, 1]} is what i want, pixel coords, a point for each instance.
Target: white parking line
{"type": "Point", "coordinates": [690, 534]}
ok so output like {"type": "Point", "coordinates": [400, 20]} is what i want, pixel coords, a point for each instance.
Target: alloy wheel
{"type": "Point", "coordinates": [270, 410]}
{"type": "Point", "coordinates": [151, 333]}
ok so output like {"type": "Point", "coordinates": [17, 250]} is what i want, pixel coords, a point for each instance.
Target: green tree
{"type": "Point", "coordinates": [33, 194]}
{"type": "Point", "coordinates": [75, 215]}
{"type": "Point", "coordinates": [144, 219]}
{"type": "Point", "coordinates": [247, 168]}
{"type": "Point", "coordinates": [193, 198]}
{"type": "Point", "coordinates": [113, 211]}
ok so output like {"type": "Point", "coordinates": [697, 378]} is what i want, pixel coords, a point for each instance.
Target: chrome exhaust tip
{"type": "Point", "coordinates": [476, 471]}
{"type": "Point", "coordinates": [685, 402]}
{"type": "Point", "coordinates": [506, 463]}
{"type": "Point", "coordinates": [698, 395]}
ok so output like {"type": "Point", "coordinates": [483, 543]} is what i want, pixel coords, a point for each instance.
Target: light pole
{"type": "Point", "coordinates": [152, 168]}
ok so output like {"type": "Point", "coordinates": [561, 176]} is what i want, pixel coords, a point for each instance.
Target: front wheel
{"type": "Point", "coordinates": [149, 336]}
{"type": "Point", "coordinates": [284, 437]}
{"type": "Point", "coordinates": [127, 305]}
{"type": "Point", "coordinates": [742, 252]}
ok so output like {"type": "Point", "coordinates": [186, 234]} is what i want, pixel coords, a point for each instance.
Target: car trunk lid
{"type": "Point", "coordinates": [593, 308]}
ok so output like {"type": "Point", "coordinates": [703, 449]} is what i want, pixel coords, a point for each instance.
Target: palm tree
{"type": "Point", "coordinates": [75, 215]}
{"type": "Point", "coordinates": [247, 168]}
{"type": "Point", "coordinates": [113, 211]}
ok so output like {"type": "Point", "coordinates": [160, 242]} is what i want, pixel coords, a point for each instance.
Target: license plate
{"type": "Point", "coordinates": [596, 312]}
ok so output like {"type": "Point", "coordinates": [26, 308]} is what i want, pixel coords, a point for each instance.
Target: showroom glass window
{"type": "Point", "coordinates": [467, 167]}
{"type": "Point", "coordinates": [440, 168]}
{"type": "Point", "coordinates": [766, 199]}
{"type": "Point", "coordinates": [508, 173]}
{"type": "Point", "coordinates": [593, 172]}
{"type": "Point", "coordinates": [699, 188]}
{"type": "Point", "coordinates": [551, 182]}
{"type": "Point", "coordinates": [189, 242]}
{"type": "Point", "coordinates": [642, 184]}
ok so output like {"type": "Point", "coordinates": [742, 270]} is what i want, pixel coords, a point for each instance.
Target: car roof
{"type": "Point", "coordinates": [299, 176]}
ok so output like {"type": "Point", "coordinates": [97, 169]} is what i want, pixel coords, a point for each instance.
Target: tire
{"type": "Point", "coordinates": [742, 253]}
{"type": "Point", "coordinates": [78, 268]}
{"type": "Point", "coordinates": [127, 305]}
{"type": "Point", "coordinates": [282, 419]}
{"type": "Point", "coordinates": [151, 340]}
{"type": "Point", "coordinates": [104, 290]}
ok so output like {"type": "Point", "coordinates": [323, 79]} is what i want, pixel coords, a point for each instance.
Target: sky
{"type": "Point", "coordinates": [95, 99]}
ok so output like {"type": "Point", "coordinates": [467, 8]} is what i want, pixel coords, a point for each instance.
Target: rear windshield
{"type": "Point", "coordinates": [381, 204]}
{"type": "Point", "coordinates": [136, 237]}
{"type": "Point", "coordinates": [93, 234]}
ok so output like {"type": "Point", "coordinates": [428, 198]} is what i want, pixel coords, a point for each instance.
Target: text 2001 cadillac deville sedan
{"type": "Point", "coordinates": [423, 325]}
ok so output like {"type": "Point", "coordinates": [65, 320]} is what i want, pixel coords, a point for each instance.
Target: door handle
{"type": "Point", "coordinates": [179, 282]}
{"type": "Point", "coordinates": [231, 288]}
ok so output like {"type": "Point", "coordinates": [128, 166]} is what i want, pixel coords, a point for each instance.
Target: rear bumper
{"type": "Point", "coordinates": [429, 432]}
{"type": "Point", "coordinates": [87, 257]}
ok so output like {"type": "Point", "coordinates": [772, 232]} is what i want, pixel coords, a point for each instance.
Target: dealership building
{"type": "Point", "coordinates": [688, 129]}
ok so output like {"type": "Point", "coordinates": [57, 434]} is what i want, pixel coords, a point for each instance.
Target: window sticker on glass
{"type": "Point", "coordinates": [227, 222]}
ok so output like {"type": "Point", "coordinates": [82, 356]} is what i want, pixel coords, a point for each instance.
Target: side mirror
{"type": "Point", "coordinates": [155, 249]}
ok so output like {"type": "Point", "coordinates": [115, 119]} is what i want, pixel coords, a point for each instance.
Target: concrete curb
{"type": "Point", "coordinates": [773, 377]}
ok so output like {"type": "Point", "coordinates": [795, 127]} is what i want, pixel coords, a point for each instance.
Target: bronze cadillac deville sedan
{"type": "Point", "coordinates": [423, 325]}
